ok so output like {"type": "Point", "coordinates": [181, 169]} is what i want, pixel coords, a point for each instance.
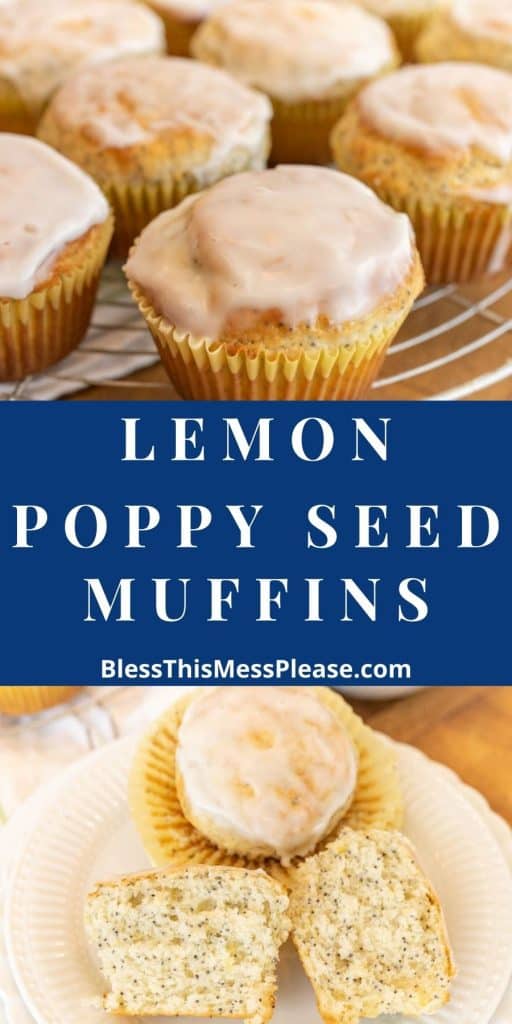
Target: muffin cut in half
{"type": "Point", "coordinates": [55, 230]}
{"type": "Point", "coordinates": [434, 142]}
{"type": "Point", "coordinates": [169, 837]}
{"type": "Point", "coordinates": [43, 43]}
{"type": "Point", "coordinates": [201, 942]}
{"type": "Point", "coordinates": [469, 30]}
{"type": "Point", "coordinates": [152, 130]}
{"type": "Point", "coordinates": [284, 284]}
{"type": "Point", "coordinates": [308, 56]}
{"type": "Point", "coordinates": [369, 929]}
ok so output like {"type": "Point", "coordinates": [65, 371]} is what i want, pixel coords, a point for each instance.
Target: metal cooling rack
{"type": "Point", "coordinates": [456, 344]}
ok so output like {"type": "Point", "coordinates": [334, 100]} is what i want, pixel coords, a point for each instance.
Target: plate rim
{"type": "Point", "coordinates": [128, 743]}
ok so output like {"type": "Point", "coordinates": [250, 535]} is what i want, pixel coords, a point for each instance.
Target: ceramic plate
{"type": "Point", "coordinates": [88, 835]}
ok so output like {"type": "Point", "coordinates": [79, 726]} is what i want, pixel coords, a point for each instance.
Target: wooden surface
{"type": "Point", "coordinates": [467, 728]}
{"type": "Point", "coordinates": [465, 344]}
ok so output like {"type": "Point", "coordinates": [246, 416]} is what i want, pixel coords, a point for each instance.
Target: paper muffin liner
{"type": "Point", "coordinates": [26, 700]}
{"type": "Point", "coordinates": [169, 838]}
{"type": "Point", "coordinates": [14, 116]}
{"type": "Point", "coordinates": [136, 204]}
{"type": "Point", "coordinates": [178, 31]}
{"type": "Point", "coordinates": [43, 328]}
{"type": "Point", "coordinates": [206, 370]}
{"type": "Point", "coordinates": [301, 130]}
{"type": "Point", "coordinates": [406, 28]}
{"type": "Point", "coordinates": [455, 244]}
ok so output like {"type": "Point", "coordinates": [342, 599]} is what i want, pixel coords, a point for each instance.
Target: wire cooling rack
{"type": "Point", "coordinates": [457, 344]}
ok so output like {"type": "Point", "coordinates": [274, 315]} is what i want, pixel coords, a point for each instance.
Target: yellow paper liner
{"type": "Point", "coordinates": [169, 838]}
{"type": "Point", "coordinates": [136, 204]}
{"type": "Point", "coordinates": [406, 28]}
{"type": "Point", "coordinates": [26, 700]}
{"type": "Point", "coordinates": [206, 370]}
{"type": "Point", "coordinates": [178, 32]}
{"type": "Point", "coordinates": [41, 329]}
{"type": "Point", "coordinates": [457, 244]}
{"type": "Point", "coordinates": [301, 130]}
{"type": "Point", "coordinates": [14, 116]}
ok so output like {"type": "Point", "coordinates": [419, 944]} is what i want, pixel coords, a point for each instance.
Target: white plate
{"type": "Point", "coordinates": [379, 692]}
{"type": "Point", "coordinates": [89, 835]}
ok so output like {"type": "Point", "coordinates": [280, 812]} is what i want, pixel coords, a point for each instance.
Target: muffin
{"type": "Point", "coordinates": [164, 773]}
{"type": "Point", "coordinates": [433, 142]}
{"type": "Point", "coordinates": [267, 773]}
{"type": "Point", "coordinates": [26, 700]}
{"type": "Point", "coordinates": [151, 130]}
{"type": "Point", "coordinates": [282, 284]}
{"type": "Point", "coordinates": [181, 18]}
{"type": "Point", "coordinates": [55, 229]}
{"type": "Point", "coordinates": [42, 44]}
{"type": "Point", "coordinates": [470, 30]}
{"type": "Point", "coordinates": [406, 18]}
{"type": "Point", "coordinates": [309, 56]}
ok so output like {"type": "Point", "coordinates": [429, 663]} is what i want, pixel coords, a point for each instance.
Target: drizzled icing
{"type": "Point", "coordinates": [295, 48]}
{"type": "Point", "coordinates": [482, 18]}
{"type": "Point", "coordinates": [443, 107]}
{"type": "Point", "coordinates": [305, 241]}
{"type": "Point", "coordinates": [271, 765]}
{"type": "Point", "coordinates": [45, 203]}
{"type": "Point", "coordinates": [42, 43]}
{"type": "Point", "coordinates": [137, 100]}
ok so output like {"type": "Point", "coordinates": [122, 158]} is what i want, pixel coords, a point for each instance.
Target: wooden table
{"type": "Point", "coordinates": [467, 728]}
{"type": "Point", "coordinates": [456, 343]}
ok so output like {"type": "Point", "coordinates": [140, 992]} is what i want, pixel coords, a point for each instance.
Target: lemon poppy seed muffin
{"type": "Point", "coordinates": [369, 929]}
{"type": "Point", "coordinates": [308, 56]}
{"type": "Point", "coordinates": [283, 284]}
{"type": "Point", "coordinates": [201, 942]}
{"type": "Point", "coordinates": [41, 44]}
{"type": "Point", "coordinates": [406, 18]}
{"type": "Point", "coordinates": [181, 18]}
{"type": "Point", "coordinates": [55, 229]}
{"type": "Point", "coordinates": [264, 772]}
{"type": "Point", "coordinates": [435, 141]}
{"type": "Point", "coordinates": [470, 30]}
{"type": "Point", "coordinates": [151, 130]}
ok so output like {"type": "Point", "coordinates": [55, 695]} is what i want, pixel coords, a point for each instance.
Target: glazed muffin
{"type": "Point", "coordinates": [42, 44]}
{"type": "Point", "coordinates": [26, 700]}
{"type": "Point", "coordinates": [433, 142]}
{"type": "Point", "coordinates": [406, 18]}
{"type": "Point", "coordinates": [151, 130]}
{"type": "Point", "coordinates": [55, 229]}
{"type": "Point", "coordinates": [265, 773]}
{"type": "Point", "coordinates": [283, 284]}
{"type": "Point", "coordinates": [181, 18]}
{"type": "Point", "coordinates": [297, 766]}
{"type": "Point", "coordinates": [470, 30]}
{"type": "Point", "coordinates": [309, 56]}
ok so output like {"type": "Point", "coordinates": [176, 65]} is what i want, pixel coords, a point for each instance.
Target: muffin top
{"type": "Point", "coordinates": [443, 108]}
{"type": "Point", "coordinates": [194, 111]}
{"type": "Point", "coordinates": [42, 43]}
{"type": "Point", "coordinates": [287, 246]}
{"type": "Point", "coordinates": [268, 765]}
{"type": "Point", "coordinates": [296, 49]}
{"type": "Point", "coordinates": [45, 203]}
{"type": "Point", "coordinates": [481, 18]}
